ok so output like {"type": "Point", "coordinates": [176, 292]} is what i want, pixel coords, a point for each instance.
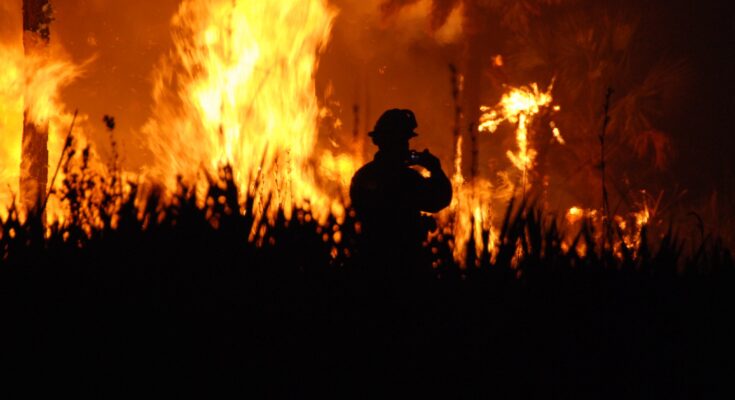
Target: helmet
{"type": "Point", "coordinates": [394, 124]}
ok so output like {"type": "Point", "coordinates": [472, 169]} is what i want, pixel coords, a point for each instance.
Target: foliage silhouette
{"type": "Point", "coordinates": [141, 291]}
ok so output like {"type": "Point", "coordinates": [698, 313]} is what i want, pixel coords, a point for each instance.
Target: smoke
{"type": "Point", "coordinates": [10, 21]}
{"type": "Point", "coordinates": [378, 60]}
{"type": "Point", "coordinates": [375, 61]}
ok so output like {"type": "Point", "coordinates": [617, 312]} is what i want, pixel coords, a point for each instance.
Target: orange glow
{"type": "Point", "coordinates": [470, 214]}
{"type": "Point", "coordinates": [574, 214]}
{"type": "Point", "coordinates": [238, 88]}
{"type": "Point", "coordinates": [31, 83]}
{"type": "Point", "coordinates": [519, 106]}
{"type": "Point", "coordinates": [577, 214]}
{"type": "Point", "coordinates": [639, 219]}
{"type": "Point", "coordinates": [497, 60]}
{"type": "Point", "coordinates": [11, 123]}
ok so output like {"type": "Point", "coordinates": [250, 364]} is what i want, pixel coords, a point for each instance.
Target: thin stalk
{"type": "Point", "coordinates": [605, 203]}
{"type": "Point", "coordinates": [67, 145]}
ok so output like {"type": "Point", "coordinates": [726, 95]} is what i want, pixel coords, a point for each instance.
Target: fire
{"type": "Point", "coordinates": [335, 174]}
{"type": "Point", "coordinates": [238, 88]}
{"type": "Point", "coordinates": [31, 84]}
{"type": "Point", "coordinates": [628, 227]}
{"type": "Point", "coordinates": [11, 123]}
{"type": "Point", "coordinates": [640, 218]}
{"type": "Point", "coordinates": [497, 60]}
{"type": "Point", "coordinates": [520, 106]}
{"type": "Point", "coordinates": [470, 214]}
{"type": "Point", "coordinates": [576, 214]}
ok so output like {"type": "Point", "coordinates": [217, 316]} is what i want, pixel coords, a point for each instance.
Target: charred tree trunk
{"type": "Point", "coordinates": [478, 45]}
{"type": "Point", "coordinates": [457, 127]}
{"type": "Point", "coordinates": [34, 154]}
{"type": "Point", "coordinates": [473, 57]}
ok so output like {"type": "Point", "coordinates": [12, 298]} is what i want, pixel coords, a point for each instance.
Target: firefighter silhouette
{"type": "Point", "coordinates": [389, 196]}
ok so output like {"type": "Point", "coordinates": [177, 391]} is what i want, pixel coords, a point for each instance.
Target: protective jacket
{"type": "Point", "coordinates": [388, 198]}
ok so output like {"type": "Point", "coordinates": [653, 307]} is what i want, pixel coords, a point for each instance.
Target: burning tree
{"type": "Point", "coordinates": [590, 51]}
{"type": "Point", "coordinates": [34, 159]}
{"type": "Point", "coordinates": [481, 38]}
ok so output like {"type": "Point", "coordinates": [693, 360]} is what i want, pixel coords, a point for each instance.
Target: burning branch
{"type": "Point", "coordinates": [34, 157]}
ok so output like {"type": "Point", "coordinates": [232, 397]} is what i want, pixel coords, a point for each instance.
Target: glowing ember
{"type": "Point", "coordinates": [497, 60]}
{"type": "Point", "coordinates": [576, 214]}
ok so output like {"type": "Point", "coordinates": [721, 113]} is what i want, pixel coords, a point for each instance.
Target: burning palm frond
{"type": "Point", "coordinates": [587, 51]}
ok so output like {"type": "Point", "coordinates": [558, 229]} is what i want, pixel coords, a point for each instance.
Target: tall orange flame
{"type": "Point", "coordinates": [31, 83]}
{"type": "Point", "coordinates": [471, 213]}
{"type": "Point", "coordinates": [238, 88]}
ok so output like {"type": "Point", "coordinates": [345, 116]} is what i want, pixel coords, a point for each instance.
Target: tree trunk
{"type": "Point", "coordinates": [34, 155]}
{"type": "Point", "coordinates": [473, 62]}
{"type": "Point", "coordinates": [474, 58]}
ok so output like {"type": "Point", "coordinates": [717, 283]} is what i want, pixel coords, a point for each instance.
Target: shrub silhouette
{"type": "Point", "coordinates": [141, 291]}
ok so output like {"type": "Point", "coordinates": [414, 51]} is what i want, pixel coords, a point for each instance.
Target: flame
{"type": "Point", "coordinates": [469, 216]}
{"type": "Point", "coordinates": [497, 60]}
{"type": "Point", "coordinates": [335, 174]}
{"type": "Point", "coordinates": [640, 218]}
{"type": "Point", "coordinates": [576, 214]}
{"type": "Point", "coordinates": [630, 226]}
{"type": "Point", "coordinates": [555, 131]}
{"type": "Point", "coordinates": [32, 83]}
{"type": "Point", "coordinates": [238, 88]}
{"type": "Point", "coordinates": [11, 123]}
{"type": "Point", "coordinates": [519, 106]}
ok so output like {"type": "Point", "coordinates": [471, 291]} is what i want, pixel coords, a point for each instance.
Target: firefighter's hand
{"type": "Point", "coordinates": [429, 161]}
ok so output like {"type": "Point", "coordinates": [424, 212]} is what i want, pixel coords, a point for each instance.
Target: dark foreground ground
{"type": "Point", "coordinates": [167, 305]}
{"type": "Point", "coordinates": [177, 316]}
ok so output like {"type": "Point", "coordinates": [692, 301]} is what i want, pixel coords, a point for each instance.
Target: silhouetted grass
{"type": "Point", "coordinates": [157, 293]}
